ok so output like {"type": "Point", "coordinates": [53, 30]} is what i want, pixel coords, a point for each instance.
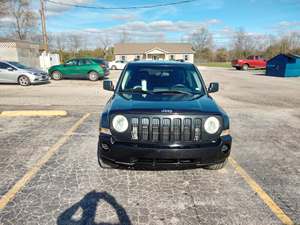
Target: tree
{"type": "Point", "coordinates": [221, 55]}
{"type": "Point", "coordinates": [243, 44]}
{"type": "Point", "coordinates": [201, 39]}
{"type": "Point", "coordinates": [75, 41]}
{"type": "Point", "coordinates": [3, 8]}
{"type": "Point", "coordinates": [202, 42]}
{"type": "Point", "coordinates": [124, 36]}
{"type": "Point", "coordinates": [24, 19]}
{"type": "Point", "coordinates": [105, 43]}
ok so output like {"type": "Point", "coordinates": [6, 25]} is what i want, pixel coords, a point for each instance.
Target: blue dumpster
{"type": "Point", "coordinates": [284, 65]}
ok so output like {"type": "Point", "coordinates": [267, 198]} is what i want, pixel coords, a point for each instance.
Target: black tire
{"type": "Point", "coordinates": [93, 76]}
{"type": "Point", "coordinates": [24, 80]}
{"type": "Point", "coordinates": [113, 67]}
{"type": "Point", "coordinates": [245, 67]}
{"type": "Point", "coordinates": [238, 68]}
{"type": "Point", "coordinates": [217, 166]}
{"type": "Point", "coordinates": [56, 75]}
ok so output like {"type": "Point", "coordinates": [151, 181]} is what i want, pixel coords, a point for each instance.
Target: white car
{"type": "Point", "coordinates": [14, 72]}
{"type": "Point", "coordinates": [117, 65]}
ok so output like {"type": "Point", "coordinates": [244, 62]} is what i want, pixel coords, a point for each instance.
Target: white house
{"type": "Point", "coordinates": [154, 51]}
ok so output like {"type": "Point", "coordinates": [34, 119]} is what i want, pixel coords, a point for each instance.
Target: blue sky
{"type": "Point", "coordinates": [175, 23]}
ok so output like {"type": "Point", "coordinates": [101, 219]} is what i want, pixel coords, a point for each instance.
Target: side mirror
{"type": "Point", "coordinates": [10, 69]}
{"type": "Point", "coordinates": [213, 87]}
{"type": "Point", "coordinates": [108, 85]}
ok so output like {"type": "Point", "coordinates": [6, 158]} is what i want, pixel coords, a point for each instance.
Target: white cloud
{"type": "Point", "coordinates": [123, 16]}
{"type": "Point", "coordinates": [166, 25]}
{"type": "Point", "coordinates": [288, 24]}
{"type": "Point", "coordinates": [7, 19]}
{"type": "Point", "coordinates": [54, 9]}
{"type": "Point", "coordinates": [152, 31]}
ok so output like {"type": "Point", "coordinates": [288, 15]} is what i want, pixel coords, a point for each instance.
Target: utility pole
{"type": "Point", "coordinates": [43, 18]}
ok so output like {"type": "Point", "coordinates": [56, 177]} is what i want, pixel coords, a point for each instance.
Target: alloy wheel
{"type": "Point", "coordinates": [24, 81]}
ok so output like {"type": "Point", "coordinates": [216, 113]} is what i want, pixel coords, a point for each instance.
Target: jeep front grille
{"type": "Point", "coordinates": [165, 129]}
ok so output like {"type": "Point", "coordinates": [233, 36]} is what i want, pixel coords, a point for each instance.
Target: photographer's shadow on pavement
{"type": "Point", "coordinates": [89, 206]}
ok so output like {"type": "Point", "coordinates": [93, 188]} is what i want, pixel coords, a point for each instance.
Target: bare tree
{"type": "Point", "coordinates": [3, 8]}
{"type": "Point", "coordinates": [105, 43]}
{"type": "Point", "coordinates": [202, 42]}
{"type": "Point", "coordinates": [293, 40]}
{"type": "Point", "coordinates": [25, 20]}
{"type": "Point", "coordinates": [57, 41]}
{"type": "Point", "coordinates": [243, 44]}
{"type": "Point", "coordinates": [201, 39]}
{"type": "Point", "coordinates": [124, 36]}
{"type": "Point", "coordinates": [75, 42]}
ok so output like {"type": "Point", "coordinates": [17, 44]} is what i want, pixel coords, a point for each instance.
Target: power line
{"type": "Point", "coordinates": [129, 7]}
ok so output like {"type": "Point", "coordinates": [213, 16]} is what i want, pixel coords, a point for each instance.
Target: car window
{"type": "Point", "coordinates": [19, 65]}
{"type": "Point", "coordinates": [99, 61]}
{"type": "Point", "coordinates": [161, 78]}
{"type": "Point", "coordinates": [82, 62]}
{"type": "Point", "coordinates": [72, 62]}
{"type": "Point", "coordinates": [4, 65]}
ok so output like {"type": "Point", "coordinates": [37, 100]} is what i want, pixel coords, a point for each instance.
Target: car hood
{"type": "Point", "coordinates": [157, 103]}
{"type": "Point", "coordinates": [35, 71]}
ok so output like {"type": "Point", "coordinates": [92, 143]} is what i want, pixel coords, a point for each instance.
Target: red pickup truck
{"type": "Point", "coordinates": [252, 61]}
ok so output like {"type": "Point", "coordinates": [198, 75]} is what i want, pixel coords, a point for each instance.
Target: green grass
{"type": "Point", "coordinates": [216, 64]}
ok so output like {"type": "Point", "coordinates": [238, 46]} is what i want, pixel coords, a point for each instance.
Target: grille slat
{"type": "Point", "coordinates": [166, 129]}
{"type": "Point", "coordinates": [155, 130]}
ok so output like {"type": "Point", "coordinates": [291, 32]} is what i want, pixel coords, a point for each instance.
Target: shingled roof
{"type": "Point", "coordinates": [140, 48]}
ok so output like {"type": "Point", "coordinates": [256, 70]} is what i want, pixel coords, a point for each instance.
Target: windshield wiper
{"type": "Point", "coordinates": [174, 92]}
{"type": "Point", "coordinates": [136, 90]}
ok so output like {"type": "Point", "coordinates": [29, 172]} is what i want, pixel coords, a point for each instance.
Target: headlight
{"type": "Point", "coordinates": [211, 125]}
{"type": "Point", "coordinates": [120, 123]}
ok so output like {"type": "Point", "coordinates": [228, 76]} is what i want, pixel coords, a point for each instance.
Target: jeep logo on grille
{"type": "Point", "coordinates": [166, 110]}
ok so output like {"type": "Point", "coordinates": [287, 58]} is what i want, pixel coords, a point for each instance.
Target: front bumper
{"type": "Point", "coordinates": [154, 156]}
{"type": "Point", "coordinates": [40, 79]}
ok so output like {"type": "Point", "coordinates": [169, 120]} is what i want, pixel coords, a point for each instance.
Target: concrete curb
{"type": "Point", "coordinates": [33, 113]}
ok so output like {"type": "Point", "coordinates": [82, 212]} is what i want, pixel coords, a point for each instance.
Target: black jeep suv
{"type": "Point", "coordinates": [162, 115]}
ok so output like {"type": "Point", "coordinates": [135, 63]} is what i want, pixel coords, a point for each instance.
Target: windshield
{"type": "Point", "coordinates": [18, 65]}
{"type": "Point", "coordinates": [161, 79]}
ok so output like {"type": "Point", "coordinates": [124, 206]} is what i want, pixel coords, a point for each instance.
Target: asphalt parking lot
{"type": "Point", "coordinates": [49, 172]}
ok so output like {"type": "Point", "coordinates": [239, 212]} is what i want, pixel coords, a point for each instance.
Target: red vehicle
{"type": "Point", "coordinates": [252, 61]}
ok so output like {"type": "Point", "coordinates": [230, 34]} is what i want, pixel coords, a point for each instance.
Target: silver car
{"type": "Point", "coordinates": [14, 72]}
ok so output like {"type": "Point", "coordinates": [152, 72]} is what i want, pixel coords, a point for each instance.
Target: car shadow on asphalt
{"type": "Point", "coordinates": [16, 84]}
{"type": "Point", "coordinates": [89, 207]}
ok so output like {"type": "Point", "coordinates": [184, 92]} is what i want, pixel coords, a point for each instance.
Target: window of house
{"type": "Point", "coordinates": [123, 57]}
{"type": "Point", "coordinates": [186, 57]}
{"type": "Point", "coordinates": [172, 57]}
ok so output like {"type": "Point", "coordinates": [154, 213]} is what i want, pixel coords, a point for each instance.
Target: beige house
{"type": "Point", "coordinates": [154, 51]}
{"type": "Point", "coordinates": [21, 51]}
